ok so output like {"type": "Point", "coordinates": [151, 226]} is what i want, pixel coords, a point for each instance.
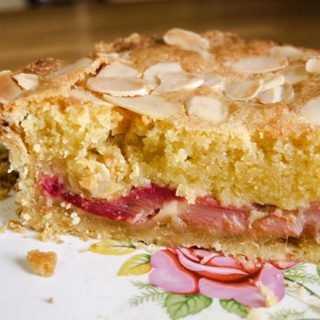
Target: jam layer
{"type": "Point", "coordinates": [136, 207]}
{"type": "Point", "coordinates": [144, 204]}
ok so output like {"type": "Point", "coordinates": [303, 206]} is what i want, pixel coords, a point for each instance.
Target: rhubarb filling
{"type": "Point", "coordinates": [154, 202]}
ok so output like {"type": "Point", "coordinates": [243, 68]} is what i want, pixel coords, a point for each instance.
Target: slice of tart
{"type": "Point", "coordinates": [197, 140]}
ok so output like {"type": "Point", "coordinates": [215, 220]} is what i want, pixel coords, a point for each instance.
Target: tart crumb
{"type": "Point", "coordinates": [49, 300]}
{"type": "Point", "coordinates": [3, 228]}
{"type": "Point", "coordinates": [48, 234]}
{"type": "Point", "coordinates": [15, 226]}
{"type": "Point", "coordinates": [42, 263]}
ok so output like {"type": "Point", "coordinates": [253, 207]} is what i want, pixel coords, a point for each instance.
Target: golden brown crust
{"type": "Point", "coordinates": [42, 66]}
{"type": "Point", "coordinates": [142, 52]}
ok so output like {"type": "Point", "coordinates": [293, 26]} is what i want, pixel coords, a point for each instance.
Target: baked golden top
{"type": "Point", "coordinates": [222, 62]}
{"type": "Point", "coordinates": [205, 114]}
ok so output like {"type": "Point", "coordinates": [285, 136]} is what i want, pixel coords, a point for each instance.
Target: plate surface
{"type": "Point", "coordinates": [111, 280]}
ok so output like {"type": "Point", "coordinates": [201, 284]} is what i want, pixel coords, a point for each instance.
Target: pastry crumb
{"type": "Point", "coordinates": [42, 263]}
{"type": "Point", "coordinates": [15, 226]}
{"type": "Point", "coordinates": [75, 218]}
{"type": "Point", "coordinates": [4, 228]}
{"type": "Point", "coordinates": [49, 300]}
{"type": "Point", "coordinates": [57, 239]}
{"type": "Point", "coordinates": [46, 234]}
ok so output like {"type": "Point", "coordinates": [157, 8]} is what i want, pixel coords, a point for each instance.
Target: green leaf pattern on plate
{"type": "Point", "coordinates": [112, 247]}
{"type": "Point", "coordinates": [235, 307]}
{"type": "Point", "coordinates": [179, 306]}
{"type": "Point", "coordinates": [136, 265]}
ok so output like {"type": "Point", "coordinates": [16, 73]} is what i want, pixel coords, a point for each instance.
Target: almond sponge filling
{"type": "Point", "coordinates": [104, 152]}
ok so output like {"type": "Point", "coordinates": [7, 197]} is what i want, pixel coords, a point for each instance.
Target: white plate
{"type": "Point", "coordinates": [86, 286]}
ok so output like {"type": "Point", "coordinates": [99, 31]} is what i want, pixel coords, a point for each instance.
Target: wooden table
{"type": "Point", "coordinates": [69, 31]}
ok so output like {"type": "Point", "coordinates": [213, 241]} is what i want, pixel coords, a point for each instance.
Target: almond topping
{"type": "Point", "coordinates": [118, 87]}
{"type": "Point", "coordinates": [27, 81]}
{"type": "Point", "coordinates": [214, 82]}
{"type": "Point", "coordinates": [117, 70]}
{"type": "Point", "coordinates": [173, 81]}
{"type": "Point", "coordinates": [70, 68]}
{"type": "Point", "coordinates": [152, 72]}
{"type": "Point", "coordinates": [112, 55]}
{"type": "Point", "coordinates": [296, 74]}
{"type": "Point", "coordinates": [82, 94]}
{"type": "Point", "coordinates": [287, 51]}
{"type": "Point", "coordinates": [313, 65]}
{"type": "Point", "coordinates": [260, 64]}
{"type": "Point", "coordinates": [287, 92]}
{"type": "Point", "coordinates": [207, 108]}
{"type": "Point", "coordinates": [311, 111]}
{"type": "Point", "coordinates": [9, 90]}
{"type": "Point", "coordinates": [187, 40]}
{"type": "Point", "coordinates": [153, 106]}
{"type": "Point", "coordinates": [271, 80]}
{"type": "Point", "coordinates": [272, 95]}
{"type": "Point", "coordinates": [243, 90]}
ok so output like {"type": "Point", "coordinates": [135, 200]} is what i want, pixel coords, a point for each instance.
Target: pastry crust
{"type": "Point", "coordinates": [58, 220]}
{"type": "Point", "coordinates": [259, 153]}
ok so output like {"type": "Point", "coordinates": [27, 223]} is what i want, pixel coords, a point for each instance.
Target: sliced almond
{"type": "Point", "coordinates": [313, 65]}
{"type": "Point", "coordinates": [287, 92]}
{"type": "Point", "coordinates": [9, 90]}
{"type": "Point", "coordinates": [112, 55]}
{"type": "Point", "coordinates": [207, 108]}
{"type": "Point", "coordinates": [287, 51]}
{"type": "Point", "coordinates": [27, 81]}
{"type": "Point", "coordinates": [214, 82]}
{"type": "Point", "coordinates": [152, 72]}
{"type": "Point", "coordinates": [243, 90]}
{"type": "Point", "coordinates": [260, 64]}
{"type": "Point", "coordinates": [173, 81]}
{"type": "Point", "coordinates": [187, 40]}
{"type": "Point", "coordinates": [272, 95]}
{"type": "Point", "coordinates": [296, 74]}
{"type": "Point", "coordinates": [118, 87]}
{"type": "Point", "coordinates": [70, 68]}
{"type": "Point", "coordinates": [153, 106]}
{"type": "Point", "coordinates": [82, 94]}
{"type": "Point", "coordinates": [271, 80]}
{"type": "Point", "coordinates": [311, 111]}
{"type": "Point", "coordinates": [117, 70]}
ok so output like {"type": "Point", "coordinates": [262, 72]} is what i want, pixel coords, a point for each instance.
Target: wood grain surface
{"type": "Point", "coordinates": [69, 31]}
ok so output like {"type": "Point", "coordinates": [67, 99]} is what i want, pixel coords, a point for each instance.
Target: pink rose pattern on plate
{"type": "Point", "coordinates": [189, 271]}
{"type": "Point", "coordinates": [187, 280]}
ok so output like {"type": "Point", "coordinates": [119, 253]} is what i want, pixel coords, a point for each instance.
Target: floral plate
{"type": "Point", "coordinates": [120, 280]}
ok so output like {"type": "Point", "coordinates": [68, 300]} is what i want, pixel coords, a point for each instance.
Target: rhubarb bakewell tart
{"type": "Point", "coordinates": [189, 139]}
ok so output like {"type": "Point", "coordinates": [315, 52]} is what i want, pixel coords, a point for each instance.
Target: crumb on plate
{"type": "Point", "coordinates": [49, 300]}
{"type": "Point", "coordinates": [3, 228]}
{"type": "Point", "coordinates": [15, 226]}
{"type": "Point", "coordinates": [42, 263]}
